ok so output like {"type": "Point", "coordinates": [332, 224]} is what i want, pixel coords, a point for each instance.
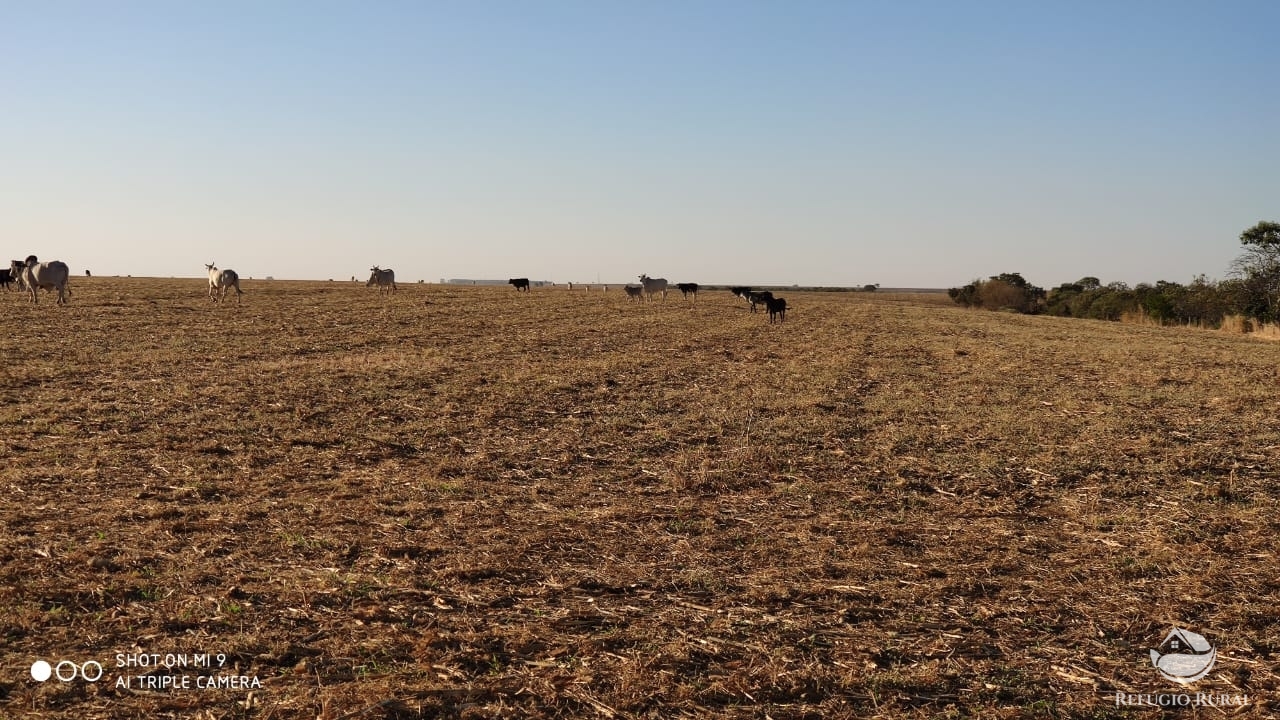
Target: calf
{"type": "Point", "coordinates": [687, 289]}
{"type": "Point", "coordinates": [777, 308]}
{"type": "Point", "coordinates": [634, 292]}
{"type": "Point", "coordinates": [519, 283]}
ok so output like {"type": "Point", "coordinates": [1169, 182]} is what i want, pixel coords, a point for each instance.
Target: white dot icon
{"type": "Point", "coordinates": [40, 671]}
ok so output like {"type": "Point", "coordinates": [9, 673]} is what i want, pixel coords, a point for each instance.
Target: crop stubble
{"type": "Point", "coordinates": [472, 502]}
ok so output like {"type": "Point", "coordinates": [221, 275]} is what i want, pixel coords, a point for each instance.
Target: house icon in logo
{"type": "Point", "coordinates": [1184, 656]}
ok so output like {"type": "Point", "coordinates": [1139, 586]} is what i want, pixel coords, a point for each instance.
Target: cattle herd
{"type": "Point", "coordinates": [777, 307]}
{"type": "Point", "coordinates": [31, 275]}
{"type": "Point", "coordinates": [649, 287]}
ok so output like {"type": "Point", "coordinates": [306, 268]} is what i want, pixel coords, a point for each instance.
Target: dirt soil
{"type": "Point", "coordinates": [473, 502]}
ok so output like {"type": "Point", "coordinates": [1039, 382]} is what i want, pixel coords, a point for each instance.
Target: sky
{"type": "Point", "coordinates": [907, 143]}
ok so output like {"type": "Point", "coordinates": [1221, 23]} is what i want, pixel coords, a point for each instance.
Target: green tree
{"type": "Point", "coordinates": [1264, 234]}
{"type": "Point", "coordinates": [967, 295]}
{"type": "Point", "coordinates": [1088, 298]}
{"type": "Point", "coordinates": [1006, 290]}
{"type": "Point", "coordinates": [1258, 269]}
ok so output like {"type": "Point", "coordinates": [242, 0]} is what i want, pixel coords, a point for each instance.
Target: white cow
{"type": "Point", "coordinates": [653, 285]}
{"type": "Point", "coordinates": [35, 275]}
{"type": "Point", "coordinates": [384, 279]}
{"type": "Point", "coordinates": [220, 281]}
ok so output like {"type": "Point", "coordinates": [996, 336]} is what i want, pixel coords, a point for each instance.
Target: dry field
{"type": "Point", "coordinates": [468, 502]}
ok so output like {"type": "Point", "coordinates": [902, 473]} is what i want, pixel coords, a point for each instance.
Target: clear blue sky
{"type": "Point", "coordinates": [905, 143]}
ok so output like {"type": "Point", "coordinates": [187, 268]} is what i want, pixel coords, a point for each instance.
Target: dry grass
{"type": "Point", "coordinates": [470, 502]}
{"type": "Point", "coordinates": [1231, 325]}
{"type": "Point", "coordinates": [1236, 325]}
{"type": "Point", "coordinates": [1268, 331]}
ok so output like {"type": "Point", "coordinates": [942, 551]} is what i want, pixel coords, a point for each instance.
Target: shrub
{"type": "Point", "coordinates": [1004, 291]}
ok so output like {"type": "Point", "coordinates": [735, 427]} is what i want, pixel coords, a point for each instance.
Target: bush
{"type": "Point", "coordinates": [998, 295]}
{"type": "Point", "coordinates": [967, 295]}
{"type": "Point", "coordinates": [1088, 298]}
{"type": "Point", "coordinates": [1005, 291]}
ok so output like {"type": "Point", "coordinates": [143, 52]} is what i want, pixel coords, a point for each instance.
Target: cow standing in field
{"type": "Point", "coordinates": [221, 281]}
{"type": "Point", "coordinates": [777, 308]}
{"type": "Point", "coordinates": [384, 279]}
{"type": "Point", "coordinates": [519, 284]}
{"type": "Point", "coordinates": [687, 289]}
{"type": "Point", "coordinates": [35, 275]}
{"type": "Point", "coordinates": [654, 285]}
{"type": "Point", "coordinates": [6, 277]}
{"type": "Point", "coordinates": [16, 268]}
{"type": "Point", "coordinates": [759, 298]}
{"type": "Point", "coordinates": [742, 292]}
{"type": "Point", "coordinates": [634, 292]}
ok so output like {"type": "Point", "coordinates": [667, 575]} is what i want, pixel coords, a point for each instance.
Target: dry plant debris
{"type": "Point", "coordinates": [472, 502]}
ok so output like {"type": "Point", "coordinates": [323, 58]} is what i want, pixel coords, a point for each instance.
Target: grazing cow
{"type": "Point", "coordinates": [687, 289]}
{"type": "Point", "coordinates": [36, 275]}
{"type": "Point", "coordinates": [759, 298]}
{"type": "Point", "coordinates": [634, 292]}
{"type": "Point", "coordinates": [384, 279]}
{"type": "Point", "coordinates": [519, 284]}
{"type": "Point", "coordinates": [654, 285]}
{"type": "Point", "coordinates": [221, 281]}
{"type": "Point", "coordinates": [777, 308]}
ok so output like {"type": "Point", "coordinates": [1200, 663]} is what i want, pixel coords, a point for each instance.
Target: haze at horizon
{"type": "Point", "coordinates": [908, 144]}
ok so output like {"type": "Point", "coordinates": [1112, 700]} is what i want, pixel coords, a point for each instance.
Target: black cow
{"type": "Point", "coordinates": [6, 277]}
{"type": "Point", "coordinates": [759, 298]}
{"type": "Point", "coordinates": [520, 283]}
{"type": "Point", "coordinates": [687, 289]}
{"type": "Point", "coordinates": [777, 307]}
{"type": "Point", "coordinates": [741, 292]}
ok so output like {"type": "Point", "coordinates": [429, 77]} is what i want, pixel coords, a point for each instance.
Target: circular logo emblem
{"type": "Point", "coordinates": [1184, 656]}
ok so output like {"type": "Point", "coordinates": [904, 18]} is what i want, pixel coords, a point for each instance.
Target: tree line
{"type": "Point", "coordinates": [1252, 291]}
